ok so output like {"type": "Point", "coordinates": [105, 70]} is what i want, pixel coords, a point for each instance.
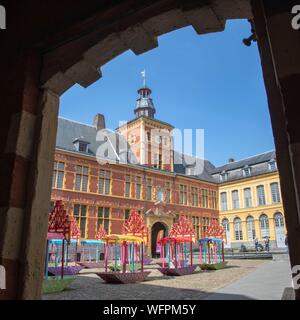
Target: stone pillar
{"type": "Point", "coordinates": [28, 131]}
{"type": "Point", "coordinates": [279, 47]}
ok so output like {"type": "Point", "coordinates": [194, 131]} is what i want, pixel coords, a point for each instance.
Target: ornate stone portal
{"type": "Point", "coordinates": [158, 219]}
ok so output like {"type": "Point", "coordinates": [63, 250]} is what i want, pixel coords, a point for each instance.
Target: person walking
{"type": "Point", "coordinates": [267, 244]}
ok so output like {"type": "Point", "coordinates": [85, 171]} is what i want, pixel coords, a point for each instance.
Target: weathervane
{"type": "Point", "coordinates": [144, 77]}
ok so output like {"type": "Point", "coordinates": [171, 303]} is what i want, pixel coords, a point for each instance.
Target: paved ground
{"type": "Point", "coordinates": [197, 286]}
{"type": "Point", "coordinates": [267, 282]}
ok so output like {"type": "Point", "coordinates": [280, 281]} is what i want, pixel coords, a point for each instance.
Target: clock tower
{"type": "Point", "coordinates": [149, 139]}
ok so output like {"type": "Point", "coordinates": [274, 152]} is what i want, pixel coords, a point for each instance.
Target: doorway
{"type": "Point", "coordinates": [158, 231]}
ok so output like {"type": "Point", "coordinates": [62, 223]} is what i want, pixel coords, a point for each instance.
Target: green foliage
{"type": "Point", "coordinates": [137, 266]}
{"type": "Point", "coordinates": [53, 284]}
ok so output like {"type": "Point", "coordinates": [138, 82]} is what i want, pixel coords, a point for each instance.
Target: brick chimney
{"type": "Point", "coordinates": [99, 121]}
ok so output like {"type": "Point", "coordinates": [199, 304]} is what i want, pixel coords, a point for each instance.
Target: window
{"type": "Point", "coordinates": [247, 171]}
{"type": "Point", "coordinates": [80, 214]}
{"type": "Point", "coordinates": [148, 136]}
{"type": "Point", "coordinates": [261, 195]}
{"type": "Point", "coordinates": [238, 229]}
{"type": "Point", "coordinates": [126, 214]}
{"type": "Point", "coordinates": [204, 198]}
{"type": "Point", "coordinates": [58, 175]}
{"type": "Point", "coordinates": [272, 165]}
{"type": "Point", "coordinates": [103, 218]}
{"type": "Point", "coordinates": [196, 222]}
{"type": "Point", "coordinates": [247, 197]}
{"type": "Point", "coordinates": [251, 228]}
{"type": "Point", "coordinates": [223, 176]}
{"type": "Point", "coordinates": [104, 182]}
{"type": "Point", "coordinates": [205, 224]}
{"type": "Point", "coordinates": [225, 224]}
{"type": "Point", "coordinates": [195, 197]}
{"type": "Point", "coordinates": [81, 181]}
{"type": "Point", "coordinates": [183, 194]}
{"type": "Point", "coordinates": [223, 201]}
{"type": "Point", "coordinates": [138, 187]}
{"type": "Point", "coordinates": [278, 218]}
{"type": "Point", "coordinates": [157, 161]}
{"type": "Point", "coordinates": [264, 226]}
{"type": "Point", "coordinates": [275, 192]}
{"type": "Point", "coordinates": [82, 147]}
{"type": "Point", "coordinates": [214, 200]}
{"type": "Point", "coordinates": [149, 189]}
{"type": "Point", "coordinates": [160, 195]}
{"type": "Point", "coordinates": [168, 192]}
{"type": "Point", "coordinates": [235, 199]}
{"type": "Point", "coordinates": [127, 186]}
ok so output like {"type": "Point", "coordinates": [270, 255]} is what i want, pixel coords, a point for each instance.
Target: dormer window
{"type": "Point", "coordinates": [246, 171]}
{"type": "Point", "coordinates": [223, 176]}
{"type": "Point", "coordinates": [272, 165]}
{"type": "Point", "coordinates": [81, 145]}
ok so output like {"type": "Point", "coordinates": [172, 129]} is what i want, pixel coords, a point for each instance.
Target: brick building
{"type": "Point", "coordinates": [102, 175]}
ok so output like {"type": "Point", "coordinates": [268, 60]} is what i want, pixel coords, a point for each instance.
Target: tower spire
{"type": "Point", "coordinates": [144, 104]}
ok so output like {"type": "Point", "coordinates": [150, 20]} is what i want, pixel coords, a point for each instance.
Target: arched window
{"type": "Point", "coordinates": [278, 218]}
{"type": "Point", "coordinates": [238, 229]}
{"type": "Point", "coordinates": [251, 228]}
{"type": "Point", "coordinates": [225, 224]}
{"type": "Point", "coordinates": [264, 226]}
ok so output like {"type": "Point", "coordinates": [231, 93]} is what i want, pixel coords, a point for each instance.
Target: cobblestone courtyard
{"type": "Point", "coordinates": [196, 286]}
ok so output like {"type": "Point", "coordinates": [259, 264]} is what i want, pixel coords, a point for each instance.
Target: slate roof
{"type": "Point", "coordinates": [190, 165]}
{"type": "Point", "coordinates": [70, 131]}
{"type": "Point", "coordinates": [259, 164]}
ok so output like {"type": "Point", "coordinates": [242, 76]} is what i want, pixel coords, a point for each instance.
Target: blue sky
{"type": "Point", "coordinates": [210, 81]}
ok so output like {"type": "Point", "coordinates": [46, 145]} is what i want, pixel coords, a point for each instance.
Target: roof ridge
{"type": "Point", "coordinates": [191, 155]}
{"type": "Point", "coordinates": [74, 121]}
{"type": "Point", "coordinates": [259, 154]}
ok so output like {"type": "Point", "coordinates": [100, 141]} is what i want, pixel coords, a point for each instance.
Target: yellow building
{"type": "Point", "coordinates": [250, 201]}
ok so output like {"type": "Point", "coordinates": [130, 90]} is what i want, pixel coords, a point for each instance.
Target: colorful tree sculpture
{"type": "Point", "coordinates": [101, 234]}
{"type": "Point", "coordinates": [59, 221]}
{"type": "Point", "coordinates": [75, 230]}
{"type": "Point", "coordinates": [183, 229]}
{"type": "Point", "coordinates": [215, 230]}
{"type": "Point", "coordinates": [174, 249]}
{"type": "Point", "coordinates": [211, 247]}
{"type": "Point", "coordinates": [59, 224]}
{"type": "Point", "coordinates": [135, 226]}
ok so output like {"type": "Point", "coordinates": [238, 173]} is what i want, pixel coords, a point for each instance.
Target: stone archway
{"type": "Point", "coordinates": [70, 48]}
{"type": "Point", "coordinates": [157, 229]}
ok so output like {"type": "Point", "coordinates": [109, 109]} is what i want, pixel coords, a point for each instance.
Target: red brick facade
{"type": "Point", "coordinates": [161, 182]}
